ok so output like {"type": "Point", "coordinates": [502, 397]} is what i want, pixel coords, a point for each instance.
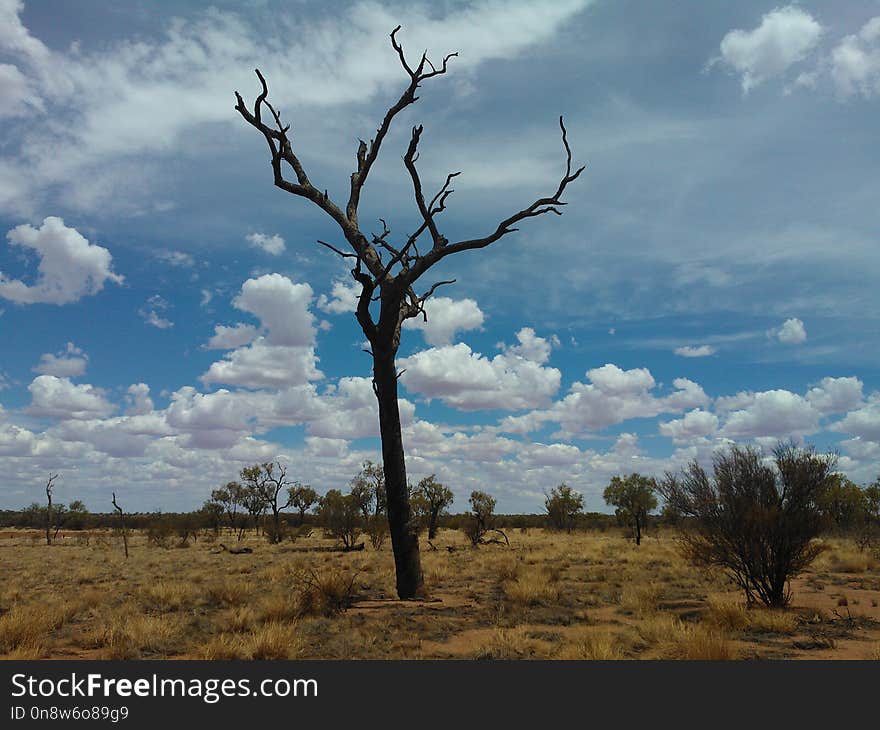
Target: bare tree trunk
{"type": "Point", "coordinates": [404, 538]}
{"type": "Point", "coordinates": [122, 523]}
{"type": "Point", "coordinates": [49, 518]}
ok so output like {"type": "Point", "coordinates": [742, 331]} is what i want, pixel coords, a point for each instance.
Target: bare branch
{"type": "Point", "coordinates": [366, 156]}
{"type": "Point", "coordinates": [539, 207]}
{"type": "Point", "coordinates": [336, 250]}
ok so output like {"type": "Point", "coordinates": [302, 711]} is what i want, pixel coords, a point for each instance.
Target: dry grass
{"type": "Point", "coordinates": [593, 644]}
{"type": "Point", "coordinates": [549, 595]}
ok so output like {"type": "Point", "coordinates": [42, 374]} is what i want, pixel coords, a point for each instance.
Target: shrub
{"type": "Point", "coordinates": [756, 522]}
{"type": "Point", "coordinates": [563, 505]}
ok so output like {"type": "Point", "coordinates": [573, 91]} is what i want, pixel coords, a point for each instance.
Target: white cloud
{"type": "Point", "coordinates": [470, 381]}
{"type": "Point", "coordinates": [855, 62]}
{"type": "Point", "coordinates": [612, 396]}
{"type": "Point", "coordinates": [18, 98]}
{"type": "Point", "coordinates": [70, 267]}
{"type": "Point", "coordinates": [343, 297]}
{"type": "Point", "coordinates": [835, 395]}
{"type": "Point", "coordinates": [175, 258]}
{"type": "Point", "coordinates": [784, 38]}
{"type": "Point", "coordinates": [695, 351]}
{"type": "Point", "coordinates": [772, 413]}
{"type": "Point", "coordinates": [790, 332]}
{"type": "Point", "coordinates": [138, 399]}
{"type": "Point", "coordinates": [151, 313]}
{"type": "Point", "coordinates": [59, 398]}
{"type": "Point", "coordinates": [273, 245]}
{"type": "Point", "coordinates": [447, 317]}
{"type": "Point", "coordinates": [228, 338]}
{"type": "Point", "coordinates": [206, 297]}
{"type": "Point", "coordinates": [264, 365]}
{"type": "Point", "coordinates": [863, 423]}
{"type": "Point", "coordinates": [282, 308]}
{"type": "Point", "coordinates": [69, 363]}
{"type": "Point", "coordinates": [695, 424]}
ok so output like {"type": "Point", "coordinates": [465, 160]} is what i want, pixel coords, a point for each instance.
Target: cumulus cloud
{"type": "Point", "coordinates": [784, 37]}
{"type": "Point", "coordinates": [772, 414]}
{"type": "Point", "coordinates": [138, 399]}
{"type": "Point", "coordinates": [273, 245]}
{"type": "Point", "coordinates": [863, 423]}
{"type": "Point", "coordinates": [282, 308]}
{"type": "Point", "coordinates": [343, 297]}
{"type": "Point", "coordinates": [59, 398]}
{"type": "Point", "coordinates": [695, 424]}
{"type": "Point", "coordinates": [855, 62]}
{"type": "Point", "coordinates": [70, 267]}
{"type": "Point", "coordinates": [284, 355]}
{"type": "Point", "coordinates": [228, 338]}
{"type": "Point", "coordinates": [69, 363]}
{"type": "Point", "coordinates": [446, 318]}
{"type": "Point", "coordinates": [835, 395]}
{"type": "Point", "coordinates": [790, 332]}
{"type": "Point", "coordinates": [469, 381]}
{"type": "Point", "coordinates": [264, 365]}
{"type": "Point", "coordinates": [612, 396]}
{"type": "Point", "coordinates": [695, 351]}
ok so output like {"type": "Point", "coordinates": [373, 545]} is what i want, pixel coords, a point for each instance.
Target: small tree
{"type": "Point", "coordinates": [303, 498]}
{"type": "Point", "coordinates": [231, 500]}
{"type": "Point", "coordinates": [368, 487]}
{"type": "Point", "coordinates": [844, 504]}
{"type": "Point", "coordinates": [341, 517]}
{"type": "Point", "coordinates": [269, 481]}
{"type": "Point", "coordinates": [436, 498]}
{"type": "Point", "coordinates": [212, 514]}
{"type": "Point", "coordinates": [754, 521]}
{"type": "Point", "coordinates": [633, 496]}
{"type": "Point", "coordinates": [482, 519]}
{"type": "Point", "coordinates": [77, 514]}
{"type": "Point", "coordinates": [563, 506]}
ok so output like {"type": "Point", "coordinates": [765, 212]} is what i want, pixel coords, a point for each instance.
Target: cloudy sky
{"type": "Point", "coordinates": [166, 316]}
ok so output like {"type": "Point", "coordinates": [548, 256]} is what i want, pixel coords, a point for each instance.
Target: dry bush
{"type": "Point", "coordinates": [274, 640]}
{"type": "Point", "coordinates": [507, 644]}
{"type": "Point", "coordinates": [591, 643]}
{"type": "Point", "coordinates": [243, 618]}
{"type": "Point", "coordinates": [726, 616]}
{"type": "Point", "coordinates": [169, 596]}
{"type": "Point", "coordinates": [221, 648]}
{"type": "Point", "coordinates": [532, 586]}
{"type": "Point", "coordinates": [671, 638]}
{"type": "Point", "coordinates": [228, 593]}
{"type": "Point", "coordinates": [280, 607]}
{"type": "Point", "coordinates": [848, 561]}
{"type": "Point", "coordinates": [768, 621]}
{"type": "Point", "coordinates": [127, 634]}
{"type": "Point", "coordinates": [28, 625]}
{"type": "Point", "coordinates": [324, 594]}
{"type": "Point", "coordinates": [641, 599]}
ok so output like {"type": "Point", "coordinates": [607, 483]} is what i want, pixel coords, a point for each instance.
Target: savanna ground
{"type": "Point", "coordinates": [586, 595]}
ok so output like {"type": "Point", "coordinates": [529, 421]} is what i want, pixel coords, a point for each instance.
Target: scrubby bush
{"type": "Point", "coordinates": [563, 506]}
{"type": "Point", "coordinates": [757, 522]}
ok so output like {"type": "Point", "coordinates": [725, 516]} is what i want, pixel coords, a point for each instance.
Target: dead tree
{"type": "Point", "coordinates": [122, 523]}
{"type": "Point", "coordinates": [50, 485]}
{"type": "Point", "coordinates": [387, 273]}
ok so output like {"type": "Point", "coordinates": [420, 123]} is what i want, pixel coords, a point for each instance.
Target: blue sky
{"type": "Point", "coordinates": [168, 318]}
